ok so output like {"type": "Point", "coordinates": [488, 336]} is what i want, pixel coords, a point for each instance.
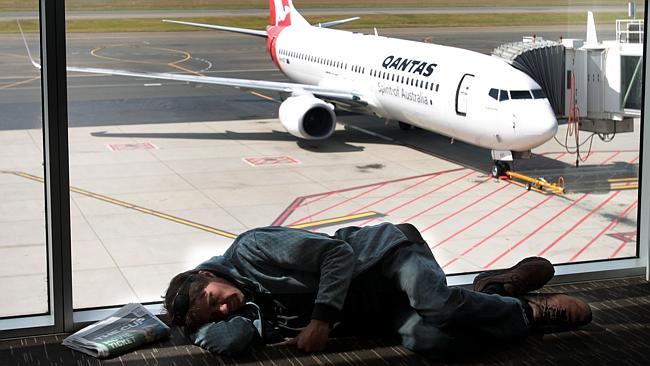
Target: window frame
{"type": "Point", "coordinates": [62, 317]}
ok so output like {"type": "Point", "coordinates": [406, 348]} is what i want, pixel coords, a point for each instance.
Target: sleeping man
{"type": "Point", "coordinates": [278, 284]}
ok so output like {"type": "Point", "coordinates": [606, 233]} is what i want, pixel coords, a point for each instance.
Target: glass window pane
{"type": "Point", "coordinates": [166, 173]}
{"type": "Point", "coordinates": [520, 94]}
{"type": "Point", "coordinates": [538, 94]}
{"type": "Point", "coordinates": [23, 252]}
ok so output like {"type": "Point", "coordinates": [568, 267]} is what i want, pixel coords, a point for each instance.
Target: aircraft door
{"type": "Point", "coordinates": [462, 94]}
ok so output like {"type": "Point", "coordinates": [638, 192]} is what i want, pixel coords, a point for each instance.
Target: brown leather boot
{"type": "Point", "coordinates": [558, 310]}
{"type": "Point", "coordinates": [528, 275]}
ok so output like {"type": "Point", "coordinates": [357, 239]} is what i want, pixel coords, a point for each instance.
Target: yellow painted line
{"type": "Point", "coordinates": [173, 64]}
{"type": "Point", "coordinates": [19, 83]}
{"type": "Point", "coordinates": [622, 187]}
{"type": "Point", "coordinates": [618, 180]}
{"type": "Point", "coordinates": [263, 96]}
{"type": "Point", "coordinates": [307, 225]}
{"type": "Point", "coordinates": [134, 207]}
{"type": "Point", "coordinates": [336, 220]}
{"type": "Point", "coordinates": [186, 56]}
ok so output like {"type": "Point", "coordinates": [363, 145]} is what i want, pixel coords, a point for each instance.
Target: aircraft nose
{"type": "Point", "coordinates": [540, 124]}
{"type": "Point", "coordinates": [546, 126]}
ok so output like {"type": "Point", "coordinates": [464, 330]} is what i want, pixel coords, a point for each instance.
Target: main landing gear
{"type": "Point", "coordinates": [500, 168]}
{"type": "Point", "coordinates": [404, 126]}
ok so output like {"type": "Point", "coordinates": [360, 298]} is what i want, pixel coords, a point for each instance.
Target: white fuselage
{"type": "Point", "coordinates": [451, 91]}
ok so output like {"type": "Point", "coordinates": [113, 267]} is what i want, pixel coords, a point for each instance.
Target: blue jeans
{"type": "Point", "coordinates": [432, 316]}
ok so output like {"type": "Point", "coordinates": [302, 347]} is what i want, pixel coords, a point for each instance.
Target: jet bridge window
{"type": "Point", "coordinates": [503, 95]}
{"type": "Point", "coordinates": [520, 94]}
{"type": "Point", "coordinates": [538, 94]}
{"type": "Point", "coordinates": [494, 93]}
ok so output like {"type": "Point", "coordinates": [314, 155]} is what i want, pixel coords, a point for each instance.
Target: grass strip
{"type": "Point", "coordinates": [367, 21]}
{"type": "Point", "coordinates": [123, 5]}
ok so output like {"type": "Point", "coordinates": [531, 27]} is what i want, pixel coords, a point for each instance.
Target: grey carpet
{"type": "Point", "coordinates": [618, 335]}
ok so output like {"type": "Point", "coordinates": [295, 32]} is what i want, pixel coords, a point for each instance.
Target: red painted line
{"type": "Point", "coordinates": [588, 215]}
{"type": "Point", "coordinates": [510, 249]}
{"type": "Point", "coordinates": [583, 219]}
{"type": "Point", "coordinates": [286, 213]}
{"type": "Point", "coordinates": [491, 263]}
{"type": "Point", "coordinates": [385, 182]}
{"type": "Point", "coordinates": [322, 196]}
{"type": "Point", "coordinates": [376, 187]}
{"type": "Point", "coordinates": [465, 208]}
{"type": "Point", "coordinates": [446, 200]}
{"type": "Point", "coordinates": [479, 220]}
{"type": "Point", "coordinates": [420, 197]}
{"type": "Point", "coordinates": [618, 250]}
{"type": "Point", "coordinates": [634, 160]}
{"type": "Point", "coordinates": [394, 194]}
{"type": "Point", "coordinates": [610, 158]}
{"type": "Point", "coordinates": [593, 152]}
{"type": "Point", "coordinates": [603, 231]}
{"type": "Point", "coordinates": [559, 156]}
{"type": "Point", "coordinates": [501, 229]}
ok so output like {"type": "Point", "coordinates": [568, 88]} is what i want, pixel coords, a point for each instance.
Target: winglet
{"type": "Point", "coordinates": [592, 38]}
{"type": "Point", "coordinates": [36, 64]}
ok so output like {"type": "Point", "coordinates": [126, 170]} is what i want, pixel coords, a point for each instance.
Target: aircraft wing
{"type": "Point", "coordinates": [345, 96]}
{"type": "Point", "coordinates": [252, 32]}
{"type": "Point", "coordinates": [336, 23]}
{"type": "Point", "coordinates": [281, 87]}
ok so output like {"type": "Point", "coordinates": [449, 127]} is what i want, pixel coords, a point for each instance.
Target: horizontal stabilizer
{"type": "Point", "coordinates": [337, 22]}
{"type": "Point", "coordinates": [252, 32]}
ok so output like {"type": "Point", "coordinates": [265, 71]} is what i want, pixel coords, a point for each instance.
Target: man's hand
{"type": "Point", "coordinates": [314, 337]}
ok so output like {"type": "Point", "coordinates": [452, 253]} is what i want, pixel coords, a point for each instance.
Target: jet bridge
{"type": "Point", "coordinates": [596, 85]}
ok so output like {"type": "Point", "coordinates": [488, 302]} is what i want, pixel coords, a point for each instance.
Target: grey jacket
{"type": "Point", "coordinates": [279, 260]}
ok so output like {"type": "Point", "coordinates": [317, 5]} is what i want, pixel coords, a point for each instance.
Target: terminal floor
{"type": "Point", "coordinates": [618, 334]}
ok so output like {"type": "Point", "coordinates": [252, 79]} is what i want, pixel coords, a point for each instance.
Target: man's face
{"type": "Point", "coordinates": [220, 298]}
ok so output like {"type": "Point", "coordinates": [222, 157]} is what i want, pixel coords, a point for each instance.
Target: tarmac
{"type": "Point", "coordinates": [152, 198]}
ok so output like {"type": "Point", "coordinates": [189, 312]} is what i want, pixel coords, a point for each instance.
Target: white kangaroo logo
{"type": "Point", "coordinates": [281, 12]}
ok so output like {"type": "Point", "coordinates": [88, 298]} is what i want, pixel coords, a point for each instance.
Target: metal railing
{"type": "Point", "coordinates": [629, 30]}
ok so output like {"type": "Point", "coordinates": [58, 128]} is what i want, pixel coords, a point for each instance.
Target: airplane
{"type": "Point", "coordinates": [465, 95]}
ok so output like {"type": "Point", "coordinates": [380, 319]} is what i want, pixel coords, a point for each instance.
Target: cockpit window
{"type": "Point", "coordinates": [520, 94]}
{"type": "Point", "coordinates": [538, 94]}
{"type": "Point", "coordinates": [503, 95]}
{"type": "Point", "coordinates": [494, 93]}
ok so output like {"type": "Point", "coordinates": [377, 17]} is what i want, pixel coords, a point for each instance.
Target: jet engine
{"type": "Point", "coordinates": [308, 117]}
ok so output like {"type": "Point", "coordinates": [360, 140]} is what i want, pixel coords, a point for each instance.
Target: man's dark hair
{"type": "Point", "coordinates": [184, 289]}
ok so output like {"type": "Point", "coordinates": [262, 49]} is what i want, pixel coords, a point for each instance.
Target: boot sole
{"type": "Point", "coordinates": [503, 276]}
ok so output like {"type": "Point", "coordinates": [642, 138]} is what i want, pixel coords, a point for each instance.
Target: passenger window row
{"type": "Point", "coordinates": [418, 83]}
{"type": "Point", "coordinates": [502, 95]}
{"type": "Point", "coordinates": [323, 61]}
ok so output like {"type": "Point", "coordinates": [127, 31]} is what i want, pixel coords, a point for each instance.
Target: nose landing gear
{"type": "Point", "coordinates": [500, 168]}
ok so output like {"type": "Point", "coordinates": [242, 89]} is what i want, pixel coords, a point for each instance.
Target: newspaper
{"type": "Point", "coordinates": [128, 328]}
